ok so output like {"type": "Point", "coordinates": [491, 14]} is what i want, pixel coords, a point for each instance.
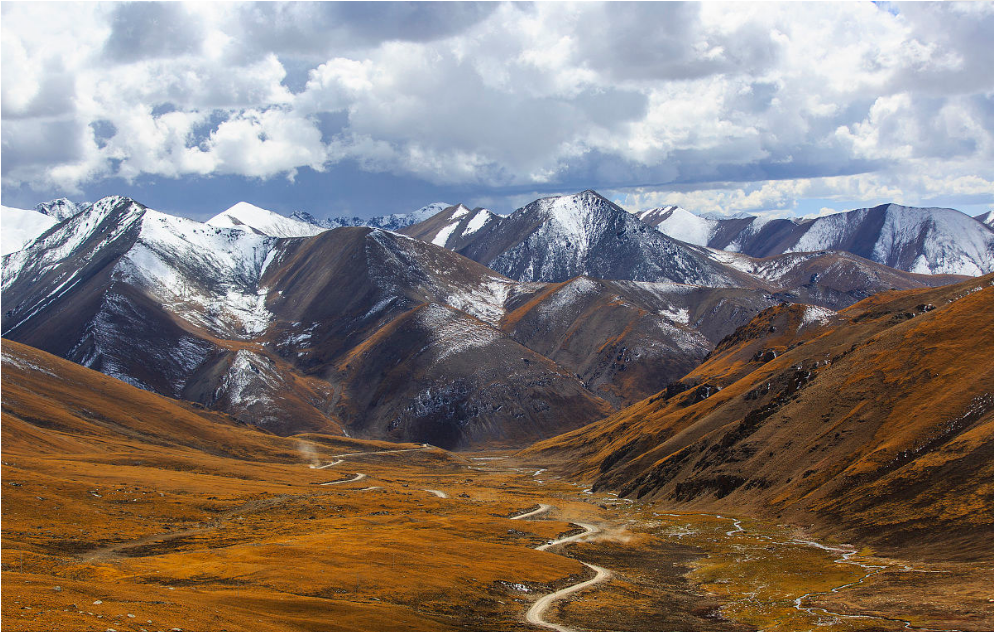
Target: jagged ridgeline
{"type": "Point", "coordinates": [581, 309]}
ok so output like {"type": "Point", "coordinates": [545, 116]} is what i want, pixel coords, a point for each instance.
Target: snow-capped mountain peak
{"type": "Point", "coordinates": [921, 240]}
{"type": "Point", "coordinates": [249, 217]}
{"type": "Point", "coordinates": [679, 223]}
{"type": "Point", "coordinates": [62, 208]}
{"type": "Point", "coordinates": [394, 221]}
{"type": "Point", "coordinates": [988, 219]}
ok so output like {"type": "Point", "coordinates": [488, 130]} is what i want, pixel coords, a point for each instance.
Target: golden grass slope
{"type": "Point", "coordinates": [126, 510]}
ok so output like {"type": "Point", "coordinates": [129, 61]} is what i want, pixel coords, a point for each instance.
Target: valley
{"type": "Point", "coordinates": [114, 520]}
{"type": "Point", "coordinates": [265, 547]}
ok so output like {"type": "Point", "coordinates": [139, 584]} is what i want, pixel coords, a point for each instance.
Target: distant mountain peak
{"type": "Point", "coordinates": [249, 217]}
{"type": "Point", "coordinates": [988, 219]}
{"type": "Point", "coordinates": [62, 208]}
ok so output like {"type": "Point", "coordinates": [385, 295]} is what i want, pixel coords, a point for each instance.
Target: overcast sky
{"type": "Point", "coordinates": [367, 108]}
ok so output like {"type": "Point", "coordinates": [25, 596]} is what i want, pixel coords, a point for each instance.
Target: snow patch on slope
{"type": "Point", "coordinates": [442, 236]}
{"type": "Point", "coordinates": [485, 301]}
{"type": "Point", "coordinates": [205, 273]}
{"type": "Point", "coordinates": [677, 315]}
{"type": "Point", "coordinates": [741, 262]}
{"type": "Point", "coordinates": [570, 293]}
{"type": "Point", "coordinates": [247, 378]}
{"type": "Point", "coordinates": [816, 314]}
{"type": "Point", "coordinates": [686, 226]}
{"type": "Point", "coordinates": [477, 222]}
{"type": "Point", "coordinates": [453, 333]}
{"type": "Point", "coordinates": [829, 232]}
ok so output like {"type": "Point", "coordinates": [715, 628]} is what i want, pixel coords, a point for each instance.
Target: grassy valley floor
{"type": "Point", "coordinates": [419, 539]}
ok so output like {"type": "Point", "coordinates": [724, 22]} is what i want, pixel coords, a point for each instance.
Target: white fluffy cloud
{"type": "Point", "coordinates": [718, 107]}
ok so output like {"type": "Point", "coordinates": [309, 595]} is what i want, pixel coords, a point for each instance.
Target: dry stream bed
{"type": "Point", "coordinates": [424, 540]}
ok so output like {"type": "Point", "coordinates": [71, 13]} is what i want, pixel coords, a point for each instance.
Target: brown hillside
{"type": "Point", "coordinates": [874, 424]}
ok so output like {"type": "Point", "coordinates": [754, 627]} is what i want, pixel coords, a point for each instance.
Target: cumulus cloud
{"type": "Point", "coordinates": [719, 107]}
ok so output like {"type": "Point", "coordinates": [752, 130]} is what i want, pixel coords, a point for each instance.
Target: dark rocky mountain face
{"type": "Point", "coordinates": [623, 338]}
{"type": "Point", "coordinates": [364, 331]}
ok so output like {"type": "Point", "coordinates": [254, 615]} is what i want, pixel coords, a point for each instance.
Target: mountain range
{"type": "Point", "coordinates": [923, 240]}
{"type": "Point", "coordinates": [582, 309]}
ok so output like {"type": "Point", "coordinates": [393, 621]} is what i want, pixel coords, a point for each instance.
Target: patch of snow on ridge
{"type": "Point", "coordinates": [686, 339]}
{"type": "Point", "coordinates": [453, 333]}
{"type": "Point", "coordinates": [677, 315]}
{"type": "Point", "coordinates": [687, 227]}
{"type": "Point", "coordinates": [741, 262]}
{"type": "Point", "coordinates": [565, 296]}
{"type": "Point", "coordinates": [442, 236]}
{"type": "Point", "coordinates": [828, 232]}
{"type": "Point", "coordinates": [816, 314]}
{"type": "Point", "coordinates": [205, 273]}
{"type": "Point", "coordinates": [477, 222]}
{"type": "Point", "coordinates": [244, 378]}
{"type": "Point", "coordinates": [485, 301]}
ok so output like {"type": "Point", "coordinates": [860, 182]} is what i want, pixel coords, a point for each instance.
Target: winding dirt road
{"type": "Point", "coordinates": [539, 608]}
{"type": "Point", "coordinates": [358, 477]}
{"type": "Point", "coordinates": [534, 615]}
{"type": "Point", "coordinates": [535, 512]}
